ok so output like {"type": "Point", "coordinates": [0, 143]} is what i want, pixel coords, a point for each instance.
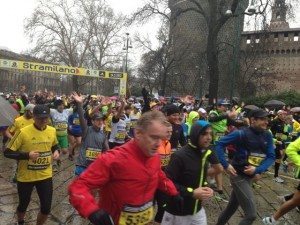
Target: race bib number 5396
{"type": "Point", "coordinates": [137, 215]}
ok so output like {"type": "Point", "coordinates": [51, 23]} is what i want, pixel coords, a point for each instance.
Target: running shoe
{"type": "Point", "coordinates": [278, 180]}
{"type": "Point", "coordinates": [269, 221]}
{"type": "Point", "coordinates": [54, 168]}
{"type": "Point", "coordinates": [256, 185]}
{"type": "Point", "coordinates": [282, 199]}
{"type": "Point", "coordinates": [220, 196]}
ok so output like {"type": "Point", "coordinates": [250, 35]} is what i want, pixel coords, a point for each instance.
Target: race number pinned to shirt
{"type": "Point", "coordinates": [255, 159]}
{"type": "Point", "coordinates": [41, 163]}
{"type": "Point", "coordinates": [165, 159]}
{"type": "Point", "coordinates": [61, 126]}
{"type": "Point", "coordinates": [76, 121]}
{"type": "Point", "coordinates": [137, 215]}
{"type": "Point", "coordinates": [92, 153]}
{"type": "Point", "coordinates": [120, 135]}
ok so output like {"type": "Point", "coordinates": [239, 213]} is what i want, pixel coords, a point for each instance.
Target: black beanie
{"type": "Point", "coordinates": [170, 109]}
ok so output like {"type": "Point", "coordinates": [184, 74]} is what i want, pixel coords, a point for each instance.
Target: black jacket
{"type": "Point", "coordinates": [186, 167]}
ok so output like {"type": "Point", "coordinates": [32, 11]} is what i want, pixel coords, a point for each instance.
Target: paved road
{"type": "Point", "coordinates": [62, 213]}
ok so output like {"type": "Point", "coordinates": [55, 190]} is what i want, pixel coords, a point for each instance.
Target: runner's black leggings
{"type": "Point", "coordinates": [44, 189]}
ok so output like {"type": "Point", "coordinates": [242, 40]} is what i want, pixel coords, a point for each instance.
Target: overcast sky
{"type": "Point", "coordinates": [13, 13]}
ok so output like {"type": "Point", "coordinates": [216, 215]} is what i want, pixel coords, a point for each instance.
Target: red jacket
{"type": "Point", "coordinates": [125, 176]}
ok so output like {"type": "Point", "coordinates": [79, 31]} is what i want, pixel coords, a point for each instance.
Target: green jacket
{"type": "Point", "coordinates": [220, 126]}
{"type": "Point", "coordinates": [189, 121]}
{"type": "Point", "coordinates": [22, 109]}
{"type": "Point", "coordinates": [293, 152]}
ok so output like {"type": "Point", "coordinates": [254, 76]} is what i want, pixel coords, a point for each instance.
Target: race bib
{"type": "Point", "coordinates": [255, 159]}
{"type": "Point", "coordinates": [92, 153]}
{"type": "Point", "coordinates": [164, 160]}
{"type": "Point", "coordinates": [139, 215]}
{"type": "Point", "coordinates": [133, 123]}
{"type": "Point", "coordinates": [218, 135]}
{"type": "Point", "coordinates": [76, 121]}
{"type": "Point", "coordinates": [41, 163]}
{"type": "Point", "coordinates": [120, 136]}
{"type": "Point", "coordinates": [61, 126]}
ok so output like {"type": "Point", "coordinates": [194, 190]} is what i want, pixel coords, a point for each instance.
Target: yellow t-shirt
{"type": "Point", "coordinates": [31, 139]}
{"type": "Point", "coordinates": [19, 123]}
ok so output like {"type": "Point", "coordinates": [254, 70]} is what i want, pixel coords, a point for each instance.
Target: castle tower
{"type": "Point", "coordinates": [278, 20]}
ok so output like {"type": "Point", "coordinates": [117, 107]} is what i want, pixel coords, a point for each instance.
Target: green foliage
{"type": "Point", "coordinates": [290, 98]}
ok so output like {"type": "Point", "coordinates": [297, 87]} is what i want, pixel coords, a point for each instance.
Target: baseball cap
{"type": "Point", "coordinates": [97, 116]}
{"type": "Point", "coordinates": [223, 102]}
{"type": "Point", "coordinates": [29, 107]}
{"type": "Point", "coordinates": [258, 113]}
{"type": "Point", "coordinates": [281, 112]}
{"type": "Point", "coordinates": [137, 106]}
{"type": "Point", "coordinates": [41, 111]}
{"type": "Point", "coordinates": [94, 96]}
{"type": "Point", "coordinates": [201, 110]}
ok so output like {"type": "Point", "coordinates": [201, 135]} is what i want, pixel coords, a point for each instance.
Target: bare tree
{"type": "Point", "coordinates": [162, 59]}
{"type": "Point", "coordinates": [73, 32]}
{"type": "Point", "coordinates": [106, 44]}
{"type": "Point", "coordinates": [216, 13]}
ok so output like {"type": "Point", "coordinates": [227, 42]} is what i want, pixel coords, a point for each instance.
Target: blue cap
{"type": "Point", "coordinates": [223, 102]}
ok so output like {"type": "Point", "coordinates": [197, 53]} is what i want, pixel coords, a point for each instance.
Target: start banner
{"type": "Point", "coordinates": [41, 67]}
{"type": "Point", "coordinates": [65, 70]}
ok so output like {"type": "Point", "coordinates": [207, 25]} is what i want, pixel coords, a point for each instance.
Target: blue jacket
{"type": "Point", "coordinates": [250, 145]}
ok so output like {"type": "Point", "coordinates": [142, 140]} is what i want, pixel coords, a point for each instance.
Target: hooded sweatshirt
{"type": "Point", "coordinates": [188, 170]}
{"type": "Point", "coordinates": [189, 122]}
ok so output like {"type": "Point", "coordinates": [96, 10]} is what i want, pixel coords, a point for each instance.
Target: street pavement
{"type": "Point", "coordinates": [62, 212]}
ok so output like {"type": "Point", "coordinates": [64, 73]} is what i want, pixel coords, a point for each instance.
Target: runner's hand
{"type": "Point", "coordinates": [249, 170]}
{"type": "Point", "coordinates": [232, 114]}
{"type": "Point", "coordinates": [76, 97]}
{"type": "Point", "coordinates": [203, 193]}
{"type": "Point", "coordinates": [33, 155]}
{"type": "Point", "coordinates": [55, 155]}
{"type": "Point", "coordinates": [231, 171]}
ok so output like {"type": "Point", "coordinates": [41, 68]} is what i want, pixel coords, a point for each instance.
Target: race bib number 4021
{"type": "Point", "coordinates": [41, 163]}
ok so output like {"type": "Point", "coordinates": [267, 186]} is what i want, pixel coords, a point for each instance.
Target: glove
{"type": "Point", "coordinates": [101, 217]}
{"type": "Point", "coordinates": [178, 203]}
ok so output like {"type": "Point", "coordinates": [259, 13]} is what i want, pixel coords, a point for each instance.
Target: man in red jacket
{"type": "Point", "coordinates": [127, 177]}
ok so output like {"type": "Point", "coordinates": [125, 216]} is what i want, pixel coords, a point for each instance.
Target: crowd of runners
{"type": "Point", "coordinates": [150, 161]}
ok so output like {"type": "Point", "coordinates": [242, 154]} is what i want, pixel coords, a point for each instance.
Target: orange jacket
{"type": "Point", "coordinates": [164, 151]}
